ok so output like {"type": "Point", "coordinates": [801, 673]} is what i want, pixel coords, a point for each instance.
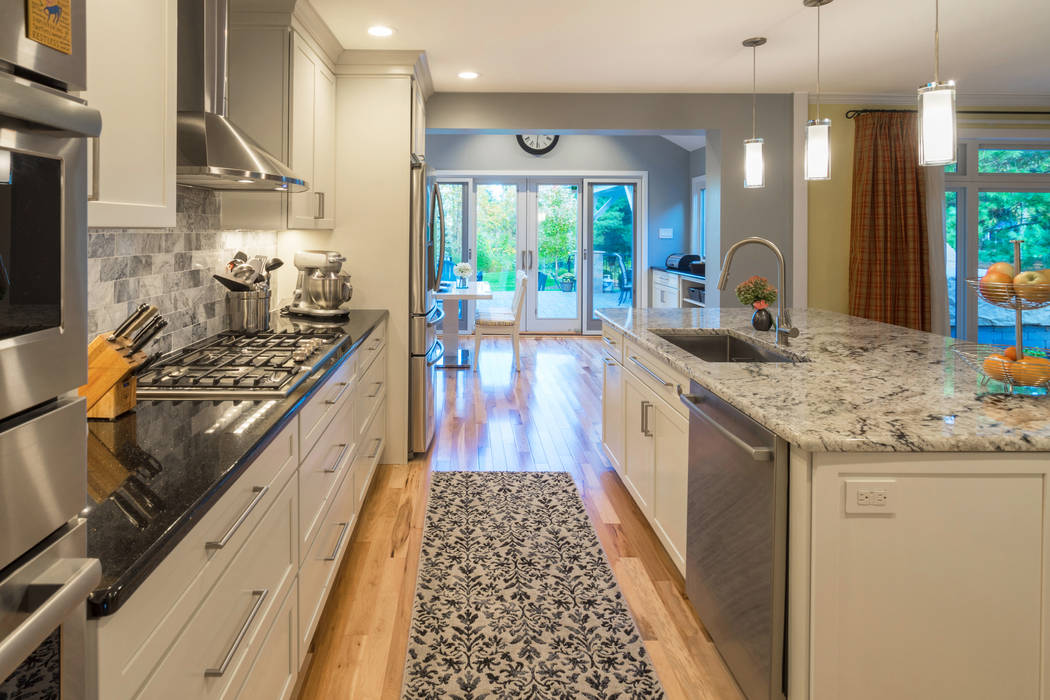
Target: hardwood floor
{"type": "Point", "coordinates": [546, 418]}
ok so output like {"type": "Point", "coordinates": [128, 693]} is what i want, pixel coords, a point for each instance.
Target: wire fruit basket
{"type": "Point", "coordinates": [1014, 366]}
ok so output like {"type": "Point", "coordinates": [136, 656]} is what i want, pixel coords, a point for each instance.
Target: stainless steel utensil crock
{"type": "Point", "coordinates": [248, 312]}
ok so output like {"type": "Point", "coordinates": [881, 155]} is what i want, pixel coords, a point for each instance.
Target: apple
{"type": "Point", "coordinates": [996, 286]}
{"type": "Point", "coordinates": [1003, 267]}
{"type": "Point", "coordinates": [1032, 286]}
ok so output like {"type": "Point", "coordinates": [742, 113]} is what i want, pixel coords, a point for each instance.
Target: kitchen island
{"type": "Point", "coordinates": [941, 588]}
{"type": "Point", "coordinates": [219, 525]}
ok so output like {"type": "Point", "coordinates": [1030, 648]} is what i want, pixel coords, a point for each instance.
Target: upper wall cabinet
{"type": "Point", "coordinates": [419, 120]}
{"type": "Point", "coordinates": [282, 94]}
{"type": "Point", "coordinates": [313, 138]}
{"type": "Point", "coordinates": [131, 77]}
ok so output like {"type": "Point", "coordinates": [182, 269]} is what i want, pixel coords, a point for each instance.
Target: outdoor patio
{"type": "Point", "coordinates": [554, 303]}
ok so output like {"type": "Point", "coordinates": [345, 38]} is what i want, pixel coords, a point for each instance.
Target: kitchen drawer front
{"type": "Point", "coordinates": [369, 394]}
{"type": "Point", "coordinates": [370, 453]}
{"type": "Point", "coordinates": [375, 342]}
{"type": "Point", "coordinates": [213, 654]}
{"type": "Point", "coordinates": [319, 411]}
{"type": "Point", "coordinates": [665, 297]}
{"type": "Point", "coordinates": [657, 375]}
{"type": "Point", "coordinates": [130, 642]}
{"type": "Point", "coordinates": [612, 342]}
{"type": "Point", "coordinates": [273, 674]}
{"type": "Point", "coordinates": [322, 471]}
{"type": "Point", "coordinates": [322, 561]}
{"type": "Point", "coordinates": [667, 279]}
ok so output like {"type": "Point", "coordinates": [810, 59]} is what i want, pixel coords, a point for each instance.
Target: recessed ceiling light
{"type": "Point", "coordinates": [246, 181]}
{"type": "Point", "coordinates": [380, 30]}
{"type": "Point", "coordinates": [468, 75]}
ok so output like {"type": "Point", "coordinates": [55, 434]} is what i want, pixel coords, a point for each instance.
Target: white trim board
{"type": "Point", "coordinates": [963, 99]}
{"type": "Point", "coordinates": [799, 207]}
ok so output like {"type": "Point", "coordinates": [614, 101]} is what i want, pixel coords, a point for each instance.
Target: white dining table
{"type": "Point", "coordinates": [455, 356]}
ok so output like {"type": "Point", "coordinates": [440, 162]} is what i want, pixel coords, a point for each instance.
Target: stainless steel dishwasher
{"type": "Point", "coordinates": [736, 547]}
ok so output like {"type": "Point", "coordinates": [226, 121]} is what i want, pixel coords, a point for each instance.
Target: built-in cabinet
{"type": "Point", "coordinates": [131, 79]}
{"type": "Point", "coordinates": [231, 611]}
{"type": "Point", "coordinates": [645, 434]}
{"type": "Point", "coordinates": [282, 94]}
{"type": "Point", "coordinates": [671, 290]}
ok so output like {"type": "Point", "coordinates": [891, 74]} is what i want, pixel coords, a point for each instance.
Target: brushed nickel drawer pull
{"type": "Point", "coordinates": [338, 396]}
{"type": "Point", "coordinates": [375, 452]}
{"type": "Point", "coordinates": [339, 542]}
{"type": "Point", "coordinates": [379, 388]}
{"type": "Point", "coordinates": [610, 362]}
{"type": "Point", "coordinates": [260, 492]}
{"type": "Point", "coordinates": [608, 341]}
{"type": "Point", "coordinates": [646, 405]}
{"type": "Point", "coordinates": [651, 373]}
{"type": "Point", "coordinates": [216, 672]}
{"type": "Point", "coordinates": [338, 460]}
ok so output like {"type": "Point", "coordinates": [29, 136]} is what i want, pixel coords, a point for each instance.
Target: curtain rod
{"type": "Point", "coordinates": [854, 113]}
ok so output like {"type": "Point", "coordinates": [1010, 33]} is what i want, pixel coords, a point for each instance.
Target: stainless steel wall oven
{"type": "Point", "coordinates": [45, 577]}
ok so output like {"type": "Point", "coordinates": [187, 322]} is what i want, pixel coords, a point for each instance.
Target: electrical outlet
{"type": "Point", "coordinates": [667, 233]}
{"type": "Point", "coordinates": [871, 497]}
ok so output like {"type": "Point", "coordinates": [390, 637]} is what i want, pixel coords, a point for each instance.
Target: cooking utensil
{"type": "Point", "coordinates": [272, 264]}
{"type": "Point", "coordinates": [249, 312]}
{"type": "Point", "coordinates": [129, 322]}
{"type": "Point", "coordinates": [232, 283]}
{"type": "Point", "coordinates": [148, 333]}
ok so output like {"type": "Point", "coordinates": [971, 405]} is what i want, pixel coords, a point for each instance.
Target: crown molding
{"type": "Point", "coordinates": [1003, 100]}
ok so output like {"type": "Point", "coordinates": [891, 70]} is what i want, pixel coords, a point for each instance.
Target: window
{"type": "Point", "coordinates": [999, 193]}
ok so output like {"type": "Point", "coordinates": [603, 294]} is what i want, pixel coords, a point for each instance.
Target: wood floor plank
{"type": "Point", "coordinates": [547, 417]}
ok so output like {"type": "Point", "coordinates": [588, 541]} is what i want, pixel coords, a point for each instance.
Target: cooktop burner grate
{"type": "Point", "coordinates": [232, 365]}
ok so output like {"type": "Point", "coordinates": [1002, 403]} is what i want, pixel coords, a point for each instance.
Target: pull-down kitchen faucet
{"type": "Point", "coordinates": [784, 329]}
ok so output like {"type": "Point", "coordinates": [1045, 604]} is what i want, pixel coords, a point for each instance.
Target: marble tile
{"type": "Point", "coordinates": [113, 269]}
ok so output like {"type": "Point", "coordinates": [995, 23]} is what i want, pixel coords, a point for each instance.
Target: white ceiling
{"type": "Point", "coordinates": [869, 46]}
{"type": "Point", "coordinates": [689, 143]}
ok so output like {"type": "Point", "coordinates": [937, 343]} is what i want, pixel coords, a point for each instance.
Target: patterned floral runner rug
{"type": "Point", "coordinates": [515, 599]}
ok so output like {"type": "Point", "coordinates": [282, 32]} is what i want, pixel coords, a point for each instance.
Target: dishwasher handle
{"type": "Point", "coordinates": [759, 454]}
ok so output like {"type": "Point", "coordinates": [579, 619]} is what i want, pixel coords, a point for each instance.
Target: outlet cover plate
{"type": "Point", "coordinates": [667, 233]}
{"type": "Point", "coordinates": [871, 496]}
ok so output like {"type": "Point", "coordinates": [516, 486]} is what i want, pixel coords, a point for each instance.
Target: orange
{"type": "Point", "coordinates": [1031, 371]}
{"type": "Point", "coordinates": [1011, 352]}
{"type": "Point", "coordinates": [996, 366]}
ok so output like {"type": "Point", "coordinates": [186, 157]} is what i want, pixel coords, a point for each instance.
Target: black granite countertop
{"type": "Point", "coordinates": [154, 472]}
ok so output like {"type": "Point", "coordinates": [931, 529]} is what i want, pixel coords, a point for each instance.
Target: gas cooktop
{"type": "Point", "coordinates": [238, 366]}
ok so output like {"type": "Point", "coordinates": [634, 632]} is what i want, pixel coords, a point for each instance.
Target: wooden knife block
{"type": "Point", "coordinates": [110, 389]}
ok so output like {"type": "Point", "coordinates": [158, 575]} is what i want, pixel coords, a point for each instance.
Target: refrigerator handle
{"type": "Point", "coordinates": [436, 199]}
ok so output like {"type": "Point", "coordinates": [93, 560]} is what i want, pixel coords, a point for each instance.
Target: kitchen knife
{"type": "Point", "coordinates": [140, 323]}
{"type": "Point", "coordinates": [128, 322]}
{"type": "Point", "coordinates": [147, 334]}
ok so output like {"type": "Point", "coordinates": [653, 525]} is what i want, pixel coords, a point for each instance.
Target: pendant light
{"type": "Point", "coordinates": [937, 140]}
{"type": "Point", "coordinates": [818, 131]}
{"type": "Point", "coordinates": [754, 165]}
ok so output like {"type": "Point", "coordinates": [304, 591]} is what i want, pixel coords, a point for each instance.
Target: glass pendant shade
{"type": "Point", "coordinates": [818, 149]}
{"type": "Point", "coordinates": [937, 135]}
{"type": "Point", "coordinates": [754, 165]}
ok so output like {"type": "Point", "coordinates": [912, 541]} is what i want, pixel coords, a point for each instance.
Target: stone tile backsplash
{"type": "Point", "coordinates": [169, 268]}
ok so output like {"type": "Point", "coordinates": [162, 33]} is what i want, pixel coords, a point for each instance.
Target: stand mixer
{"type": "Point", "coordinates": [322, 288]}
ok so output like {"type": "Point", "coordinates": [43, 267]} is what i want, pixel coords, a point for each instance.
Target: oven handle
{"type": "Point", "coordinates": [64, 114]}
{"type": "Point", "coordinates": [73, 591]}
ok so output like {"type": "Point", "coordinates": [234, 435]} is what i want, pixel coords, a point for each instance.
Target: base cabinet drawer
{"type": "Point", "coordinates": [319, 411]}
{"type": "Point", "coordinates": [369, 392]}
{"type": "Point", "coordinates": [371, 451]}
{"type": "Point", "coordinates": [211, 657]}
{"type": "Point", "coordinates": [323, 469]}
{"type": "Point", "coordinates": [322, 561]}
{"type": "Point", "coordinates": [273, 675]}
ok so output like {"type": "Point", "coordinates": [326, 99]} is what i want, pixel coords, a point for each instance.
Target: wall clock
{"type": "Point", "coordinates": [537, 144]}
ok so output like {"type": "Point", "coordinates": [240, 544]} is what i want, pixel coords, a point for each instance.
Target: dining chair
{"type": "Point", "coordinates": [502, 322]}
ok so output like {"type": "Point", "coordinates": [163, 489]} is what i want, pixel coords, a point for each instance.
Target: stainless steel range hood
{"type": "Point", "coordinates": [212, 152]}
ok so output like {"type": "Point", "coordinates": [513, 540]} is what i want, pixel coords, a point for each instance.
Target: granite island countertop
{"type": "Point", "coordinates": [866, 387]}
{"type": "Point", "coordinates": [174, 459]}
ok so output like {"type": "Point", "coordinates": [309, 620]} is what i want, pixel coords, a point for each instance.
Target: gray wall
{"type": "Point", "coordinates": [727, 120]}
{"type": "Point", "coordinates": [698, 162]}
{"type": "Point", "coordinates": [666, 163]}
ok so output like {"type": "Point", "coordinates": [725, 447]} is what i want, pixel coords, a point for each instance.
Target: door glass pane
{"type": "Point", "coordinates": [1013, 160]}
{"type": "Point", "coordinates": [497, 242]}
{"type": "Point", "coordinates": [557, 226]}
{"type": "Point", "coordinates": [612, 217]}
{"type": "Point", "coordinates": [452, 199]}
{"type": "Point", "coordinates": [951, 232]}
{"type": "Point", "coordinates": [30, 243]}
{"type": "Point", "coordinates": [1003, 217]}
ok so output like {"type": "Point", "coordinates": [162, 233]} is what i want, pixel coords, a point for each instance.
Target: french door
{"type": "Point", "coordinates": [574, 237]}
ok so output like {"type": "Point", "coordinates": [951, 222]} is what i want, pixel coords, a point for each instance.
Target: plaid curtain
{"type": "Point", "coordinates": [889, 277]}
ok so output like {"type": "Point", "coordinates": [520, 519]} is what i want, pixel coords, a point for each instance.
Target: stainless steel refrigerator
{"type": "Point", "coordinates": [425, 314]}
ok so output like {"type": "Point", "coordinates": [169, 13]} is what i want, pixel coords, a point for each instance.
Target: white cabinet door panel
{"type": "Point", "coordinates": [303, 210]}
{"type": "Point", "coordinates": [638, 452]}
{"type": "Point", "coordinates": [612, 413]}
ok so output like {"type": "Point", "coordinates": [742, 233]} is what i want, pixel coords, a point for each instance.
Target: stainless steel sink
{"type": "Point", "coordinates": [726, 348]}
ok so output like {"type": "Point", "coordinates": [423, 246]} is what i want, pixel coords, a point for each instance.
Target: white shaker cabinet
{"type": "Point", "coordinates": [312, 138]}
{"type": "Point", "coordinates": [131, 79]}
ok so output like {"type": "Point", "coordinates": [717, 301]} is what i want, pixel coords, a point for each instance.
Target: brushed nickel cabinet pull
{"type": "Point", "coordinates": [651, 373]}
{"type": "Point", "coordinates": [339, 542]}
{"type": "Point", "coordinates": [646, 405]}
{"type": "Point", "coordinates": [216, 672]}
{"type": "Point", "coordinates": [338, 460]}
{"type": "Point", "coordinates": [260, 492]}
{"type": "Point", "coordinates": [339, 395]}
